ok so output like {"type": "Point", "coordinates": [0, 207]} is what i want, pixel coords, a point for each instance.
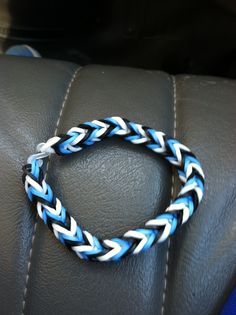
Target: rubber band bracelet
{"type": "Point", "coordinates": [158, 229]}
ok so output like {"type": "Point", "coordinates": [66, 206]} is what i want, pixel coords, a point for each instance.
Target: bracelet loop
{"type": "Point", "coordinates": [158, 229]}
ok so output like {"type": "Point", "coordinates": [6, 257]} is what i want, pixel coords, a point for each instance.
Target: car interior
{"type": "Point", "coordinates": [107, 68]}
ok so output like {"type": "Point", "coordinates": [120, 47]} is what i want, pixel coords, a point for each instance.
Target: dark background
{"type": "Point", "coordinates": [184, 36]}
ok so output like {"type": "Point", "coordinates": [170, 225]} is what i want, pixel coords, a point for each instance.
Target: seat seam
{"type": "Point", "coordinates": [25, 292]}
{"type": "Point", "coordinates": [171, 197]}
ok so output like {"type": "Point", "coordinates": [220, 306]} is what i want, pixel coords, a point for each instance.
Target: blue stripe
{"type": "Point", "coordinates": [125, 245]}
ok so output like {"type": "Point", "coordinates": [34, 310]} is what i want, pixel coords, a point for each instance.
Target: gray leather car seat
{"type": "Point", "coordinates": [115, 186]}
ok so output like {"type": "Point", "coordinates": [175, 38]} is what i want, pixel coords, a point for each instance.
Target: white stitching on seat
{"type": "Point", "coordinates": [36, 222]}
{"type": "Point", "coordinates": [172, 196]}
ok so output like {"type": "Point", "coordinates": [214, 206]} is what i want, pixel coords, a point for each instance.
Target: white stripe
{"type": "Point", "coordinates": [39, 209]}
{"type": "Point", "coordinates": [137, 235]}
{"type": "Point", "coordinates": [177, 147]}
{"type": "Point", "coordinates": [180, 207]}
{"type": "Point", "coordinates": [199, 193]}
{"type": "Point", "coordinates": [82, 248]}
{"type": "Point", "coordinates": [62, 230]}
{"type": "Point", "coordinates": [120, 122]}
{"type": "Point", "coordinates": [159, 150]}
{"type": "Point", "coordinates": [165, 233]}
{"type": "Point", "coordinates": [186, 214]}
{"type": "Point", "coordinates": [34, 183]}
{"type": "Point", "coordinates": [73, 149]}
{"type": "Point", "coordinates": [176, 206]}
{"type": "Point", "coordinates": [113, 252]}
{"type": "Point", "coordinates": [123, 125]}
{"type": "Point", "coordinates": [197, 167]}
{"type": "Point", "coordinates": [139, 141]}
{"type": "Point", "coordinates": [182, 178]}
{"type": "Point", "coordinates": [76, 130]}
{"type": "Point", "coordinates": [56, 234]}
{"type": "Point", "coordinates": [43, 147]}
{"type": "Point", "coordinates": [89, 237]}
{"type": "Point", "coordinates": [78, 139]}
{"type": "Point", "coordinates": [160, 136]}
{"type": "Point", "coordinates": [56, 211]}
{"type": "Point", "coordinates": [187, 188]}
{"type": "Point", "coordinates": [156, 222]}
{"type": "Point", "coordinates": [141, 131]}
{"type": "Point", "coordinates": [176, 163]}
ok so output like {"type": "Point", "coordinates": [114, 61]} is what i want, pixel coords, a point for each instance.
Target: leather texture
{"type": "Point", "coordinates": [114, 186]}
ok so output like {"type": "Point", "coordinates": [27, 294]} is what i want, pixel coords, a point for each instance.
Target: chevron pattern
{"type": "Point", "coordinates": [65, 228]}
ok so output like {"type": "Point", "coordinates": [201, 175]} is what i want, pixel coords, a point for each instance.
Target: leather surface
{"type": "Point", "coordinates": [31, 97]}
{"type": "Point", "coordinates": [114, 186]}
{"type": "Point", "coordinates": [203, 254]}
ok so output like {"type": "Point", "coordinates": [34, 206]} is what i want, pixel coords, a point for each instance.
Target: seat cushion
{"type": "Point", "coordinates": [115, 186]}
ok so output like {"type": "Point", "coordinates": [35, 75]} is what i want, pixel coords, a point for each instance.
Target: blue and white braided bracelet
{"type": "Point", "coordinates": [64, 226]}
